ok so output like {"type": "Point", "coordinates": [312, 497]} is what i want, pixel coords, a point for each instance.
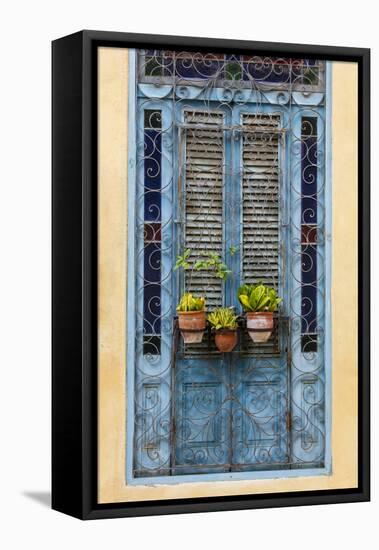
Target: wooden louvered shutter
{"type": "Point", "coordinates": [204, 175]}
{"type": "Point", "coordinates": [261, 198]}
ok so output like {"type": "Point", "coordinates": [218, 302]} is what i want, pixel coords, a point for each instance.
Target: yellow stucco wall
{"type": "Point", "coordinates": [112, 280]}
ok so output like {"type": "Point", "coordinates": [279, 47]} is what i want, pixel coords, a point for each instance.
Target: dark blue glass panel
{"type": "Point", "coordinates": [281, 71]}
{"type": "Point", "coordinates": [152, 231]}
{"type": "Point", "coordinates": [199, 66]}
{"type": "Point", "coordinates": [271, 70]}
{"type": "Point", "coordinates": [152, 289]}
{"type": "Point", "coordinates": [152, 175]}
{"type": "Point", "coordinates": [309, 170]}
{"type": "Point", "coordinates": [309, 228]}
{"type": "Point", "coordinates": [308, 288]}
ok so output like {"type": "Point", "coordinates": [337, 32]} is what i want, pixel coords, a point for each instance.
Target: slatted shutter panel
{"type": "Point", "coordinates": [204, 177]}
{"type": "Point", "coordinates": [261, 198]}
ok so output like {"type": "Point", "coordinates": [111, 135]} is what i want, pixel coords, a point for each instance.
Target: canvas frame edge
{"type": "Point", "coordinates": [74, 332]}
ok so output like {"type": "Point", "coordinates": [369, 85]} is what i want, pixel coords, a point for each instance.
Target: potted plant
{"type": "Point", "coordinates": [191, 318]}
{"type": "Point", "coordinates": [224, 321]}
{"type": "Point", "coordinates": [259, 301]}
{"type": "Point", "coordinates": [191, 309]}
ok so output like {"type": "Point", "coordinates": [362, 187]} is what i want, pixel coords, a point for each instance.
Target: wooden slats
{"type": "Point", "coordinates": [204, 172]}
{"type": "Point", "coordinates": [260, 204]}
{"type": "Point", "coordinates": [204, 168]}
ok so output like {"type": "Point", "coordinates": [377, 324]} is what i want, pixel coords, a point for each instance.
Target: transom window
{"type": "Point", "coordinates": [163, 66]}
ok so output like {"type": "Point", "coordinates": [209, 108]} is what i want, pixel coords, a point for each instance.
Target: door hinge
{"type": "Point", "coordinates": [288, 421]}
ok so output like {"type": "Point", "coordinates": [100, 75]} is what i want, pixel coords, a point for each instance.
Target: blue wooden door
{"type": "Point", "coordinates": [259, 375]}
{"type": "Point", "coordinates": [203, 407]}
{"type": "Point", "coordinates": [231, 409]}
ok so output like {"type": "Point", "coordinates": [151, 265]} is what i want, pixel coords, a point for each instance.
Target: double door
{"type": "Point", "coordinates": [230, 411]}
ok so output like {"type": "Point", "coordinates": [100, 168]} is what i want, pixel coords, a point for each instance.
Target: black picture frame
{"type": "Point", "coordinates": [74, 272]}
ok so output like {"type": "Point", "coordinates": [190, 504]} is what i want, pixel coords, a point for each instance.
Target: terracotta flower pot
{"type": "Point", "coordinates": [192, 321]}
{"type": "Point", "coordinates": [226, 340]}
{"type": "Point", "coordinates": [260, 325]}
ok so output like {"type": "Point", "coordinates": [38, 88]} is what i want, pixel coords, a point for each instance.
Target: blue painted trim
{"type": "Point", "coordinates": [328, 267]}
{"type": "Point", "coordinates": [130, 305]}
{"type": "Point", "coordinates": [273, 474]}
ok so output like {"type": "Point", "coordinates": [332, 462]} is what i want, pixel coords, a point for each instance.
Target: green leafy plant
{"type": "Point", "coordinates": [223, 317]}
{"type": "Point", "coordinates": [188, 302]}
{"type": "Point", "coordinates": [209, 261]}
{"type": "Point", "coordinates": [182, 261]}
{"type": "Point", "coordinates": [258, 297]}
{"type": "Point", "coordinates": [212, 261]}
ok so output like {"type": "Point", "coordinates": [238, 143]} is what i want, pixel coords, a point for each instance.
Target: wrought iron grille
{"type": "Point", "coordinates": [230, 159]}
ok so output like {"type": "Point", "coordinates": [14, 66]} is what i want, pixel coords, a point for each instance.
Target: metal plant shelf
{"type": "Point", "coordinates": [277, 344]}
